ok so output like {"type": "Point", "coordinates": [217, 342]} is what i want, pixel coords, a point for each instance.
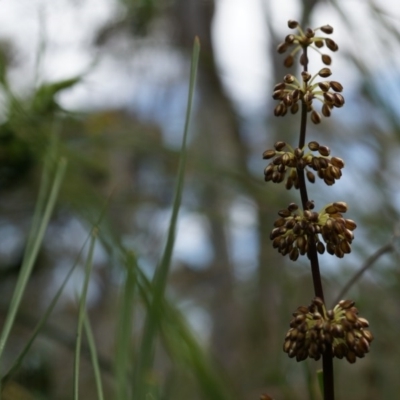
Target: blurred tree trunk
{"type": "Point", "coordinates": [221, 147]}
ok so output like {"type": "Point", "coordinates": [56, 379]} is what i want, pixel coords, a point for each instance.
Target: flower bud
{"type": "Point", "coordinates": [315, 117]}
{"type": "Point", "coordinates": [289, 39]}
{"type": "Point", "coordinates": [288, 62]}
{"type": "Point", "coordinates": [282, 47]}
{"type": "Point", "coordinates": [306, 76]}
{"type": "Point", "coordinates": [327, 29]}
{"type": "Point", "coordinates": [338, 100]}
{"type": "Point", "coordinates": [310, 177]}
{"type": "Point", "coordinates": [294, 108]}
{"type": "Point", "coordinates": [313, 146]}
{"type": "Point", "coordinates": [279, 146]}
{"type": "Point", "coordinates": [268, 154]}
{"type": "Point", "coordinates": [319, 43]}
{"type": "Point", "coordinates": [331, 45]}
{"type": "Point", "coordinates": [336, 86]}
{"type": "Point", "coordinates": [289, 78]}
{"type": "Point", "coordinates": [327, 60]}
{"type": "Point", "coordinates": [326, 111]}
{"type": "Point", "coordinates": [325, 72]}
{"type": "Point", "coordinates": [324, 86]}
{"type": "Point", "coordinates": [324, 151]}
{"type": "Point", "coordinates": [309, 33]}
{"type": "Point", "coordinates": [292, 24]}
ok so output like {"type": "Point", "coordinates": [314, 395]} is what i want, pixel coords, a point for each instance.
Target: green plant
{"type": "Point", "coordinates": [315, 331]}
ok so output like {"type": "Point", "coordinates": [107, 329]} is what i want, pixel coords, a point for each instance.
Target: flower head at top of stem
{"type": "Point", "coordinates": [304, 39]}
{"type": "Point", "coordinates": [292, 91]}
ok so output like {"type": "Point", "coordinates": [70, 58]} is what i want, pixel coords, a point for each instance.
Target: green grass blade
{"type": "Point", "coordinates": [82, 312]}
{"type": "Point", "coordinates": [185, 348]}
{"type": "Point", "coordinates": [31, 255]}
{"type": "Point", "coordinates": [320, 377]}
{"type": "Point", "coordinates": [93, 354]}
{"type": "Point", "coordinates": [124, 329]}
{"type": "Point", "coordinates": [49, 309]}
{"type": "Point", "coordinates": [160, 277]}
{"type": "Point", "coordinates": [44, 318]}
{"type": "Point", "coordinates": [44, 189]}
{"type": "Point", "coordinates": [310, 380]}
{"type": "Point", "coordinates": [161, 274]}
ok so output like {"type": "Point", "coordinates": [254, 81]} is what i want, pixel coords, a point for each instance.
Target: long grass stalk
{"type": "Point", "coordinates": [82, 312]}
{"type": "Point", "coordinates": [41, 323]}
{"type": "Point", "coordinates": [146, 355]}
{"type": "Point", "coordinates": [94, 357]}
{"type": "Point", "coordinates": [124, 330]}
{"type": "Point", "coordinates": [37, 233]}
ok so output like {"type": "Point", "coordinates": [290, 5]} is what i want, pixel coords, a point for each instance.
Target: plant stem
{"type": "Point", "coordinates": [327, 357]}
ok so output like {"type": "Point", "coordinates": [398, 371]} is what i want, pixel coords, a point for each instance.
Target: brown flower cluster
{"type": "Point", "coordinates": [313, 329]}
{"type": "Point", "coordinates": [307, 38]}
{"type": "Point", "coordinates": [295, 230]}
{"type": "Point", "coordinates": [327, 168]}
{"type": "Point", "coordinates": [290, 91]}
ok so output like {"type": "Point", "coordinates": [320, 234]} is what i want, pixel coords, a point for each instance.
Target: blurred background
{"type": "Point", "coordinates": [110, 79]}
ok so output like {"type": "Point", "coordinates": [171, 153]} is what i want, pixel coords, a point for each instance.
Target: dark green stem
{"type": "Point", "coordinates": [327, 357]}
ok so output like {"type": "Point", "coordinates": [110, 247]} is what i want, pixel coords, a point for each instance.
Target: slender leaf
{"type": "Point", "coordinates": [146, 355]}
{"type": "Point", "coordinates": [124, 329]}
{"type": "Point", "coordinates": [31, 253]}
{"type": "Point", "coordinates": [93, 354]}
{"type": "Point", "coordinates": [81, 314]}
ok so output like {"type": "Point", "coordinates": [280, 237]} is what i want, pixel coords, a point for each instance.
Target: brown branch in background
{"type": "Point", "coordinates": [369, 262]}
